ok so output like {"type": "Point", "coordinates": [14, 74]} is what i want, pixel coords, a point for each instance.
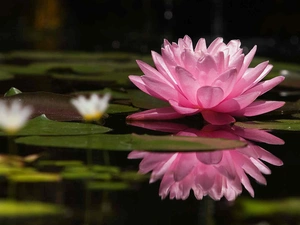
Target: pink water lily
{"type": "Point", "coordinates": [216, 174]}
{"type": "Point", "coordinates": [215, 81]}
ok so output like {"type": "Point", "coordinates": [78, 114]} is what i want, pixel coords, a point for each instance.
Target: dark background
{"type": "Point", "coordinates": [141, 25]}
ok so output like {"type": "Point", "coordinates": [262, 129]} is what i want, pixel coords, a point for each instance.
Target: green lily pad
{"type": "Point", "coordinates": [21, 209]}
{"type": "Point", "coordinates": [250, 208]}
{"type": "Point", "coordinates": [45, 68]}
{"type": "Point", "coordinates": [59, 163]}
{"type": "Point", "coordinates": [56, 106]}
{"type": "Point", "coordinates": [43, 126]}
{"type": "Point", "coordinates": [116, 108]}
{"type": "Point", "coordinates": [115, 94]}
{"type": "Point", "coordinates": [108, 185]}
{"type": "Point", "coordinates": [290, 125]}
{"type": "Point", "coordinates": [54, 56]}
{"type": "Point", "coordinates": [34, 177]}
{"type": "Point", "coordinates": [84, 173]}
{"type": "Point", "coordinates": [12, 91]}
{"type": "Point", "coordinates": [112, 77]}
{"type": "Point", "coordinates": [142, 100]}
{"type": "Point", "coordinates": [128, 142]}
{"type": "Point", "coordinates": [5, 75]}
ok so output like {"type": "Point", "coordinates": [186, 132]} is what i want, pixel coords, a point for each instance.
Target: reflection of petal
{"type": "Point", "coordinates": [209, 157]}
{"type": "Point", "coordinates": [217, 174]}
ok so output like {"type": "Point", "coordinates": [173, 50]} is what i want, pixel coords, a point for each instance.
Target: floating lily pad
{"type": "Point", "coordinates": [34, 177]}
{"type": "Point", "coordinates": [114, 78]}
{"type": "Point", "coordinates": [12, 91]}
{"type": "Point", "coordinates": [83, 173]}
{"type": "Point", "coordinates": [116, 108]}
{"type": "Point", "coordinates": [47, 56]}
{"type": "Point", "coordinates": [109, 185]}
{"type": "Point", "coordinates": [6, 75]}
{"type": "Point", "coordinates": [128, 142]}
{"type": "Point", "coordinates": [115, 94]}
{"type": "Point", "coordinates": [21, 209]}
{"type": "Point", "coordinates": [43, 126]}
{"type": "Point", "coordinates": [60, 163]}
{"type": "Point", "coordinates": [56, 106]}
{"type": "Point", "coordinates": [290, 125]}
{"type": "Point", "coordinates": [144, 101]}
{"type": "Point", "coordinates": [58, 67]}
{"type": "Point", "coordinates": [257, 208]}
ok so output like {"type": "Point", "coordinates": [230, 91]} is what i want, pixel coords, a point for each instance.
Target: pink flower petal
{"type": "Point", "coordinates": [238, 103]}
{"type": "Point", "coordinates": [188, 84]}
{"type": "Point", "coordinates": [201, 46]}
{"type": "Point", "coordinates": [159, 90]}
{"type": "Point", "coordinates": [185, 163]}
{"type": "Point", "coordinates": [258, 135]}
{"type": "Point", "coordinates": [267, 85]}
{"type": "Point", "coordinates": [166, 113]}
{"type": "Point", "coordinates": [182, 109]}
{"type": "Point", "coordinates": [209, 97]}
{"type": "Point", "coordinates": [162, 67]}
{"type": "Point", "coordinates": [226, 81]}
{"type": "Point", "coordinates": [150, 71]}
{"type": "Point", "coordinates": [217, 118]}
{"type": "Point", "coordinates": [247, 60]}
{"type": "Point", "coordinates": [234, 46]}
{"type": "Point", "coordinates": [249, 77]}
{"type": "Point", "coordinates": [260, 107]}
{"type": "Point", "coordinates": [189, 61]}
{"type": "Point", "coordinates": [137, 80]}
{"type": "Point", "coordinates": [215, 45]}
{"type": "Point", "coordinates": [269, 157]}
{"type": "Point", "coordinates": [210, 157]}
{"type": "Point", "coordinates": [205, 178]}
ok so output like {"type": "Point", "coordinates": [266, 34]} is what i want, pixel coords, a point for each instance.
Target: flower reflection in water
{"type": "Point", "coordinates": [216, 174]}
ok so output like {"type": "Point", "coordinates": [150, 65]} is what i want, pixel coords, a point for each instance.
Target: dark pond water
{"type": "Point", "coordinates": [52, 174]}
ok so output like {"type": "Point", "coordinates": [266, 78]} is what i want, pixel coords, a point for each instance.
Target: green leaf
{"type": "Point", "coordinates": [284, 124]}
{"type": "Point", "coordinates": [116, 108]}
{"type": "Point", "coordinates": [44, 68]}
{"type": "Point", "coordinates": [12, 91]}
{"type": "Point", "coordinates": [144, 101]}
{"type": "Point", "coordinates": [58, 106]}
{"type": "Point", "coordinates": [250, 208]}
{"type": "Point", "coordinates": [5, 75]}
{"type": "Point", "coordinates": [128, 142]}
{"type": "Point", "coordinates": [21, 209]}
{"type": "Point", "coordinates": [43, 126]}
{"type": "Point", "coordinates": [115, 94]}
{"type": "Point", "coordinates": [34, 177]}
{"type": "Point", "coordinates": [69, 56]}
{"type": "Point", "coordinates": [111, 77]}
{"type": "Point", "coordinates": [108, 185]}
{"type": "Point", "coordinates": [59, 163]}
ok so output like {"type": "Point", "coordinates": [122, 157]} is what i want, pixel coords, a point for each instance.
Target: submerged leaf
{"type": "Point", "coordinates": [129, 142]}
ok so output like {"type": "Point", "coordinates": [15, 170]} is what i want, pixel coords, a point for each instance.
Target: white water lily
{"type": "Point", "coordinates": [13, 116]}
{"type": "Point", "coordinates": [93, 108]}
